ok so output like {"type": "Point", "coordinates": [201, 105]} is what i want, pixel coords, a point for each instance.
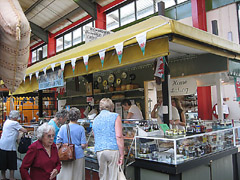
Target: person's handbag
{"type": "Point", "coordinates": [66, 151]}
{"type": "Point", "coordinates": [25, 141]}
{"type": "Point", "coordinates": [120, 175]}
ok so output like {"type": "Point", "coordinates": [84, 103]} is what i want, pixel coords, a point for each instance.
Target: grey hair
{"type": "Point", "coordinates": [61, 114]}
{"type": "Point", "coordinates": [14, 114]}
{"type": "Point", "coordinates": [43, 129]}
{"type": "Point", "coordinates": [106, 104]}
{"type": "Point", "coordinates": [74, 114]}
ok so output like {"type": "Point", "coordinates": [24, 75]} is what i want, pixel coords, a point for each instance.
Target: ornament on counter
{"type": "Point", "coordinates": [62, 65]}
{"type": "Point", "coordinates": [119, 50]}
{"type": "Point", "coordinates": [85, 60]}
{"type": "Point", "coordinates": [53, 66]}
{"type": "Point", "coordinates": [159, 68]}
{"type": "Point", "coordinates": [45, 70]}
{"type": "Point", "coordinates": [37, 74]}
{"type": "Point", "coordinates": [141, 39]}
{"type": "Point", "coordinates": [73, 62]}
{"type": "Point", "coordinates": [102, 56]}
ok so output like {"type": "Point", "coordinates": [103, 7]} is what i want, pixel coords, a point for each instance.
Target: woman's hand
{"type": "Point", "coordinates": [120, 160]}
{"type": "Point", "coordinates": [53, 173]}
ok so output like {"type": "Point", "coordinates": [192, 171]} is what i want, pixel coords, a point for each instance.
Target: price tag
{"type": "Point", "coordinates": [164, 127]}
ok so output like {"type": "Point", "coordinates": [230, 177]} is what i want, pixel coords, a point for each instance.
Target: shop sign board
{"type": "Point", "coordinates": [92, 33]}
{"type": "Point", "coordinates": [51, 80]}
{"type": "Point", "coordinates": [183, 86]}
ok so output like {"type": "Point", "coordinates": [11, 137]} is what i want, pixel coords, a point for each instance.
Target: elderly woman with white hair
{"type": "Point", "coordinates": [74, 170]}
{"type": "Point", "coordinates": [42, 156]}
{"type": "Point", "coordinates": [109, 144]}
{"type": "Point", "coordinates": [8, 155]}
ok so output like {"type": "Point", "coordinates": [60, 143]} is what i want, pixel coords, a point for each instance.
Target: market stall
{"type": "Point", "coordinates": [117, 65]}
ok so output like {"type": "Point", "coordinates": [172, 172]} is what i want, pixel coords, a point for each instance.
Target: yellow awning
{"type": "Point", "coordinates": [158, 28]}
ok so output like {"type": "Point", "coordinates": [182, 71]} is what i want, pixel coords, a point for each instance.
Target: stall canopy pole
{"type": "Point", "coordinates": [219, 97]}
{"type": "Point", "coordinates": [165, 94]}
{"type": "Point", "coordinates": [40, 92]}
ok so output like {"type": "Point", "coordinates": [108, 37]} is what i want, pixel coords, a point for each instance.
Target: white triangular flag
{"type": "Point", "coordinates": [37, 73]}
{"type": "Point", "coordinates": [30, 76]}
{"type": "Point", "coordinates": [24, 78]}
{"type": "Point", "coordinates": [85, 60]}
{"type": "Point", "coordinates": [141, 39]}
{"type": "Point", "coordinates": [119, 50]}
{"type": "Point", "coordinates": [53, 66]}
{"type": "Point", "coordinates": [62, 65]}
{"type": "Point", "coordinates": [102, 56]}
{"type": "Point", "coordinates": [45, 70]}
{"type": "Point", "coordinates": [73, 62]}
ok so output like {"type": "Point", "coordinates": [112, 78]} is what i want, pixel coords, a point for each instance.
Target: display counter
{"type": "Point", "coordinates": [209, 156]}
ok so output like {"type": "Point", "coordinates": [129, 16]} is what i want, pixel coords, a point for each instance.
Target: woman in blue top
{"type": "Point", "coordinates": [109, 145]}
{"type": "Point", "coordinates": [74, 170]}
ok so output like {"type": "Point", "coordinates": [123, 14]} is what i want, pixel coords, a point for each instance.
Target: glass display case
{"type": "Point", "coordinates": [129, 131]}
{"type": "Point", "coordinates": [179, 149]}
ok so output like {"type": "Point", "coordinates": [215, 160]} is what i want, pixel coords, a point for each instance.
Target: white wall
{"type": "Point", "coordinates": [227, 21]}
{"type": "Point", "coordinates": [226, 18]}
{"type": "Point", "coordinates": [228, 91]}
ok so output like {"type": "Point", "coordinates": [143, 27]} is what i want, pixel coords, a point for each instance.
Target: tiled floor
{"type": "Point", "coordinates": [17, 173]}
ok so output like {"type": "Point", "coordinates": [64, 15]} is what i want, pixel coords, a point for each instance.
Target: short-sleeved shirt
{"type": "Point", "coordinates": [9, 135]}
{"type": "Point", "coordinates": [77, 135]}
{"type": "Point", "coordinates": [53, 123]}
{"type": "Point", "coordinates": [175, 114]}
{"type": "Point", "coordinates": [137, 114]}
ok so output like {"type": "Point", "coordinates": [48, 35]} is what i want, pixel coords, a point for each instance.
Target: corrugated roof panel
{"type": "Point", "coordinates": [104, 2]}
{"type": "Point", "coordinates": [25, 4]}
{"type": "Point", "coordinates": [44, 18]}
{"type": "Point", "coordinates": [34, 12]}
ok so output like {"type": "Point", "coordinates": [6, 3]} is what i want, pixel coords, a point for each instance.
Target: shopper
{"type": "Point", "coordinates": [59, 119]}
{"type": "Point", "coordinates": [109, 145]}
{"type": "Point", "coordinates": [74, 170]}
{"type": "Point", "coordinates": [42, 156]}
{"type": "Point", "coordinates": [133, 111]}
{"type": "Point", "coordinates": [176, 103]}
{"type": "Point", "coordinates": [8, 154]}
{"type": "Point", "coordinates": [157, 112]}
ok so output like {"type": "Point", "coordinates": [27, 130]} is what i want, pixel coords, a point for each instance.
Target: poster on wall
{"type": "Point", "coordinates": [51, 80]}
{"type": "Point", "coordinates": [183, 86]}
{"type": "Point", "coordinates": [237, 87]}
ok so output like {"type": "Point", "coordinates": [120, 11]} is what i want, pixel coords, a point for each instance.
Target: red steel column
{"type": "Point", "coordinates": [204, 93]}
{"type": "Point", "coordinates": [30, 58]}
{"type": "Point", "coordinates": [100, 22]}
{"type": "Point", "coordinates": [199, 14]}
{"type": "Point", "coordinates": [51, 45]}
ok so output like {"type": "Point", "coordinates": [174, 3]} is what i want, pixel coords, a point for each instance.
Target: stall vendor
{"type": "Point", "coordinates": [133, 111]}
{"type": "Point", "coordinates": [157, 112]}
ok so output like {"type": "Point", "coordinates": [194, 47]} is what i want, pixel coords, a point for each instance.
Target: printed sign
{"type": "Point", "coordinates": [51, 79]}
{"type": "Point", "coordinates": [92, 33]}
{"type": "Point", "coordinates": [183, 86]}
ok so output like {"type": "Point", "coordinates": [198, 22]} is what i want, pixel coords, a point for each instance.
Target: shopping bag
{"type": "Point", "coordinates": [66, 151]}
{"type": "Point", "coordinates": [121, 175]}
{"type": "Point", "coordinates": [25, 141]}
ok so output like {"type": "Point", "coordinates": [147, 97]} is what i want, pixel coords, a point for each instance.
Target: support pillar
{"type": "Point", "coordinates": [204, 103]}
{"type": "Point", "coordinates": [204, 93]}
{"type": "Point", "coordinates": [199, 14]}
{"type": "Point", "coordinates": [51, 45]}
{"type": "Point", "coordinates": [100, 22]}
{"type": "Point", "coordinates": [30, 58]}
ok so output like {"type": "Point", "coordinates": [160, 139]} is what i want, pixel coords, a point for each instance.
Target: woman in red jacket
{"type": "Point", "coordinates": [42, 156]}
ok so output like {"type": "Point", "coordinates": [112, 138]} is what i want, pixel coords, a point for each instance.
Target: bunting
{"type": "Point", "coordinates": [102, 56]}
{"type": "Point", "coordinates": [53, 66]}
{"type": "Point", "coordinates": [141, 39]}
{"type": "Point", "coordinates": [85, 60]}
{"type": "Point", "coordinates": [45, 70]}
{"type": "Point", "coordinates": [62, 65]}
{"type": "Point", "coordinates": [119, 50]}
{"type": "Point", "coordinates": [73, 62]}
{"type": "Point", "coordinates": [37, 74]}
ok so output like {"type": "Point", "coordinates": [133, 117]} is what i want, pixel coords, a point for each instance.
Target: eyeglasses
{"type": "Point", "coordinates": [50, 136]}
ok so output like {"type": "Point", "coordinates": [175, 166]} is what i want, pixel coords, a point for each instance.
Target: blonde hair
{"type": "Point", "coordinates": [106, 104]}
